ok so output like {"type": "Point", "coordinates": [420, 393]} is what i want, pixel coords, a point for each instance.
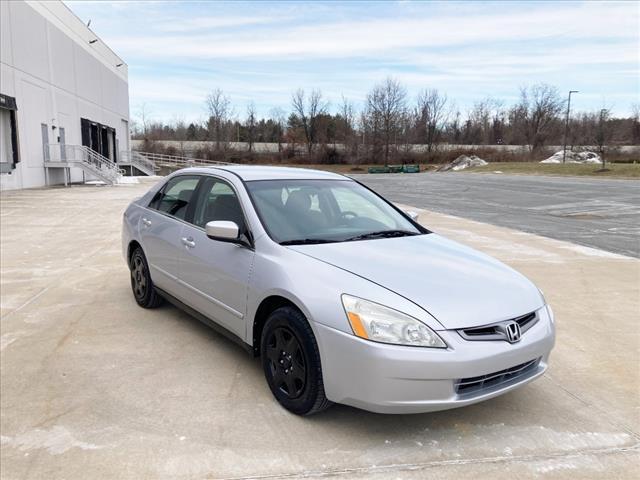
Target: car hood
{"type": "Point", "coordinates": [457, 285]}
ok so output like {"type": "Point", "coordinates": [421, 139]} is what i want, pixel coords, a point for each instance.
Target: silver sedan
{"type": "Point", "coordinates": [344, 297]}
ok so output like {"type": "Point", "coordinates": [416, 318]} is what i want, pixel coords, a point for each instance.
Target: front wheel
{"type": "Point", "coordinates": [291, 362]}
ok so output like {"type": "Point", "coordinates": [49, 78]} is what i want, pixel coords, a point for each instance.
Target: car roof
{"type": "Point", "coordinates": [250, 173]}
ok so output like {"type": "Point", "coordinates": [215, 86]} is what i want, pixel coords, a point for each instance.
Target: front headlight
{"type": "Point", "coordinates": [375, 322]}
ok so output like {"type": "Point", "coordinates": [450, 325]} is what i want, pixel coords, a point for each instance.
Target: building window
{"type": "Point", "coordinates": [9, 155]}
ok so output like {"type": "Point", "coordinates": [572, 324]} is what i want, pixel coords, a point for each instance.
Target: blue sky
{"type": "Point", "coordinates": [262, 51]}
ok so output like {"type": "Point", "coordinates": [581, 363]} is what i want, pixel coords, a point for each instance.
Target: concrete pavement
{"type": "Point", "coordinates": [596, 212]}
{"type": "Point", "coordinates": [95, 387]}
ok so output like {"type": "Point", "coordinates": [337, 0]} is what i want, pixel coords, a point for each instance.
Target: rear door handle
{"type": "Point", "coordinates": [188, 242]}
{"type": "Point", "coordinates": [146, 222]}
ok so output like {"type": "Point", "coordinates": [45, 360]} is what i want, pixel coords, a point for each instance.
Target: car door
{"type": "Point", "coordinates": [216, 273]}
{"type": "Point", "coordinates": [161, 227]}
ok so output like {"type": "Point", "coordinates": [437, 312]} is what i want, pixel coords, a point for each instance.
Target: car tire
{"type": "Point", "coordinates": [141, 284]}
{"type": "Point", "coordinates": [291, 362]}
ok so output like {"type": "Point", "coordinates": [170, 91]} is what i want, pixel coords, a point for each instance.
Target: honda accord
{"type": "Point", "coordinates": [343, 296]}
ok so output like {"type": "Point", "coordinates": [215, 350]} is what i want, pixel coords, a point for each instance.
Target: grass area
{"type": "Point", "coordinates": [621, 170]}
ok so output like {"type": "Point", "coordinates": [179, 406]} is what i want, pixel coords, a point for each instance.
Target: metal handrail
{"type": "Point", "coordinates": [140, 162]}
{"type": "Point", "coordinates": [178, 161]}
{"type": "Point", "coordinates": [87, 158]}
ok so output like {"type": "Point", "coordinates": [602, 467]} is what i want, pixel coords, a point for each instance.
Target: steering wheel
{"type": "Point", "coordinates": [347, 213]}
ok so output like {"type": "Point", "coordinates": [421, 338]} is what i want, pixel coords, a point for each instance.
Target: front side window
{"type": "Point", "coordinates": [218, 201]}
{"type": "Point", "coordinates": [321, 211]}
{"type": "Point", "coordinates": [175, 197]}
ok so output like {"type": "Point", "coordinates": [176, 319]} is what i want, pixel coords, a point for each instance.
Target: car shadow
{"type": "Point", "coordinates": [507, 408]}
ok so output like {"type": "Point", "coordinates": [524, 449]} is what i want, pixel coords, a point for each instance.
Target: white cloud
{"type": "Point", "coordinates": [343, 39]}
{"type": "Point", "coordinates": [203, 23]}
{"type": "Point", "coordinates": [469, 50]}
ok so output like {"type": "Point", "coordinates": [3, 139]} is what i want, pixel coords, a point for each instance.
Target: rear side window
{"type": "Point", "coordinates": [174, 198]}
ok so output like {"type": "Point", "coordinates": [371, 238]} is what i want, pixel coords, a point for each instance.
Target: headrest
{"type": "Point", "coordinates": [298, 200]}
{"type": "Point", "coordinates": [185, 195]}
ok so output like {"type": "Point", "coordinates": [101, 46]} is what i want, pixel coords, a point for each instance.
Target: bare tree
{"type": "Point", "coordinates": [432, 115]}
{"type": "Point", "coordinates": [453, 128]}
{"type": "Point", "coordinates": [538, 111]}
{"type": "Point", "coordinates": [635, 124]}
{"type": "Point", "coordinates": [250, 125]}
{"type": "Point", "coordinates": [386, 104]}
{"type": "Point", "coordinates": [308, 110]}
{"type": "Point", "coordinates": [219, 109]}
{"type": "Point", "coordinates": [144, 114]}
{"type": "Point", "coordinates": [347, 127]}
{"type": "Point", "coordinates": [279, 119]}
{"type": "Point", "coordinates": [603, 133]}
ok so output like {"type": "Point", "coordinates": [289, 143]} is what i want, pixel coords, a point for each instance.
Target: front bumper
{"type": "Point", "coordinates": [398, 379]}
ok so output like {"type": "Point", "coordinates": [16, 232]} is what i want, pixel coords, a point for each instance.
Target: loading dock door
{"type": "Point", "coordinates": [104, 141]}
{"type": "Point", "coordinates": [94, 138]}
{"type": "Point", "coordinates": [99, 138]}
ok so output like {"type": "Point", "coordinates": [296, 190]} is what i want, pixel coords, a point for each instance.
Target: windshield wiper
{"type": "Point", "coordinates": [306, 241]}
{"type": "Point", "coordinates": [382, 234]}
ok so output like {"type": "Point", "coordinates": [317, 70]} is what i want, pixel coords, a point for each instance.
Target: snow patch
{"type": "Point", "coordinates": [56, 441]}
{"type": "Point", "coordinates": [585, 157]}
{"type": "Point", "coordinates": [128, 180]}
{"type": "Point", "coordinates": [593, 252]}
{"type": "Point", "coordinates": [462, 162]}
{"type": "Point", "coordinates": [8, 338]}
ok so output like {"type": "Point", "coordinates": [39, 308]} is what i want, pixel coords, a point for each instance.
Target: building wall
{"type": "Point", "coordinates": [57, 77]}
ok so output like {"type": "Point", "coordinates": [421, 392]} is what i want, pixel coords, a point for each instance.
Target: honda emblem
{"type": "Point", "coordinates": [512, 331]}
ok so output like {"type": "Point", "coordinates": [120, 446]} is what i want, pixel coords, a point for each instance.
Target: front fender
{"type": "Point", "coordinates": [316, 288]}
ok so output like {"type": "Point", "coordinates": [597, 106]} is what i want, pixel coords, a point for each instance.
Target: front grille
{"type": "Point", "coordinates": [466, 386]}
{"type": "Point", "coordinates": [495, 331]}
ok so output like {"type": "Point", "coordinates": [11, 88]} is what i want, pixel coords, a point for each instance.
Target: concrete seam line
{"type": "Point", "coordinates": [604, 413]}
{"type": "Point", "coordinates": [28, 302]}
{"type": "Point", "coordinates": [437, 463]}
{"type": "Point", "coordinates": [55, 281]}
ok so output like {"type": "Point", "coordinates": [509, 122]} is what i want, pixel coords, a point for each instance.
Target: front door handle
{"type": "Point", "coordinates": [188, 242]}
{"type": "Point", "coordinates": [147, 223]}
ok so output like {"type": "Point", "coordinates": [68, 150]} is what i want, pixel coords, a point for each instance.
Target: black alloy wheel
{"type": "Point", "coordinates": [141, 284]}
{"type": "Point", "coordinates": [291, 362]}
{"type": "Point", "coordinates": [286, 361]}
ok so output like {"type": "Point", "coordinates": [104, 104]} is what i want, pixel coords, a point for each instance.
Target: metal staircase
{"type": "Point", "coordinates": [97, 166]}
{"type": "Point", "coordinates": [80, 156]}
{"type": "Point", "coordinates": [138, 161]}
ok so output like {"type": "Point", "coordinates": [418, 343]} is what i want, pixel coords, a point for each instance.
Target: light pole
{"type": "Point", "coordinates": [566, 126]}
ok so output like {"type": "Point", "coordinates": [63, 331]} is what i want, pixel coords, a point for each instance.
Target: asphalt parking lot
{"type": "Point", "coordinates": [95, 387]}
{"type": "Point", "coordinates": [601, 213]}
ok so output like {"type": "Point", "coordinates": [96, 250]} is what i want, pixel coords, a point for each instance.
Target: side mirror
{"type": "Point", "coordinates": [222, 230]}
{"type": "Point", "coordinates": [413, 215]}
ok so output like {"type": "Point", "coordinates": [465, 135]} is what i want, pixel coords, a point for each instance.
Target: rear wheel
{"type": "Point", "coordinates": [291, 362]}
{"type": "Point", "coordinates": [141, 284]}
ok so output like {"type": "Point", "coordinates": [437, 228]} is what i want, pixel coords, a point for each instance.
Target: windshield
{"type": "Point", "coordinates": [321, 211]}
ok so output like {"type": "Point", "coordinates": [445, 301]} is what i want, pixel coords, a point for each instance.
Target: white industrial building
{"type": "Point", "coordinates": [64, 98]}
